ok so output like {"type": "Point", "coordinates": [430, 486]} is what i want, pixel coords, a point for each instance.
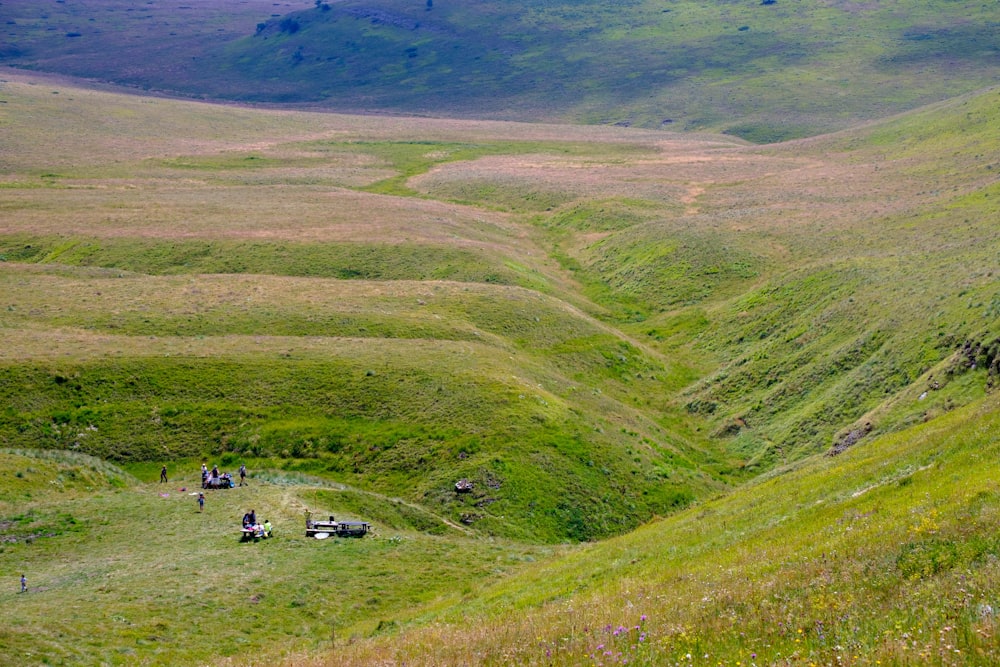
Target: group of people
{"type": "Point", "coordinates": [252, 527]}
{"type": "Point", "coordinates": [213, 478]}
{"type": "Point", "coordinates": [213, 474]}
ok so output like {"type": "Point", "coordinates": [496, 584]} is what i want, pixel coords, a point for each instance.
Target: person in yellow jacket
{"type": "Point", "coordinates": [267, 528]}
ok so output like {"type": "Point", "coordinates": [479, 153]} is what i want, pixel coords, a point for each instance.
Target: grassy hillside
{"type": "Point", "coordinates": [763, 71]}
{"type": "Point", "coordinates": [596, 326]}
{"type": "Point", "coordinates": [401, 305]}
{"type": "Point", "coordinates": [123, 573]}
{"type": "Point", "coordinates": [884, 555]}
{"type": "Point", "coordinates": [259, 296]}
{"type": "Point", "coordinates": [826, 287]}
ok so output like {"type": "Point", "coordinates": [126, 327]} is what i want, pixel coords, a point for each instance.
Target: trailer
{"type": "Point", "coordinates": [323, 529]}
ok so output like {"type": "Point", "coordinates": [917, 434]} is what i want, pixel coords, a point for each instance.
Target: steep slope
{"type": "Point", "coordinates": [841, 284]}
{"type": "Point", "coordinates": [885, 555]}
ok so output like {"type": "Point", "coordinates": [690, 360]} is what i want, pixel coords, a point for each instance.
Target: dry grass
{"type": "Point", "coordinates": [186, 210]}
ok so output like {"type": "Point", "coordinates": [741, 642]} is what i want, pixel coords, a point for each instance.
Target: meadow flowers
{"type": "Point", "coordinates": [621, 645]}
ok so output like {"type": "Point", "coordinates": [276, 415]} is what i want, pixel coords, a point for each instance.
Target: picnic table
{"type": "Point", "coordinates": [254, 533]}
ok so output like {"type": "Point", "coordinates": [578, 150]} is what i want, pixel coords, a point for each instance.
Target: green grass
{"type": "Point", "coordinates": [884, 555]}
{"type": "Point", "coordinates": [595, 326]}
{"type": "Point", "coordinates": [355, 261]}
{"type": "Point", "coordinates": [408, 417]}
{"type": "Point", "coordinates": [161, 582]}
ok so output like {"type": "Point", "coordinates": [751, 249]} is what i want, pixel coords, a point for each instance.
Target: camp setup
{"type": "Point", "coordinates": [223, 481]}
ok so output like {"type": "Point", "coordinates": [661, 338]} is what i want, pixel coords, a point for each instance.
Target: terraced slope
{"type": "Point", "coordinates": [594, 326]}
{"type": "Point", "coordinates": [252, 293]}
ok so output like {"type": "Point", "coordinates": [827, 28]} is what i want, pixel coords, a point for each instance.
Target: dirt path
{"type": "Point", "coordinates": [690, 199]}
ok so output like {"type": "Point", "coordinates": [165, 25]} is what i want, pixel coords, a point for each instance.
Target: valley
{"type": "Point", "coordinates": [639, 346]}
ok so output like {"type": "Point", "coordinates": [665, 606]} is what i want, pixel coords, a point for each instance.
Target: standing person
{"type": "Point", "coordinates": [163, 475]}
{"type": "Point", "coordinates": [201, 502]}
{"type": "Point", "coordinates": [243, 474]}
{"type": "Point", "coordinates": [24, 584]}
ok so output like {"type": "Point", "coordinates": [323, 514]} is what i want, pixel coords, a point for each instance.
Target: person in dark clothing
{"type": "Point", "coordinates": [243, 474]}
{"type": "Point", "coordinates": [163, 475]}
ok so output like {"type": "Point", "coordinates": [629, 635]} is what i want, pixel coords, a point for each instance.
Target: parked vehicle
{"type": "Point", "coordinates": [323, 529]}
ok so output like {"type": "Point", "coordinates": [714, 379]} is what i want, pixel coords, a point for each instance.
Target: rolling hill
{"type": "Point", "coordinates": [596, 326]}
{"type": "Point", "coordinates": [764, 71]}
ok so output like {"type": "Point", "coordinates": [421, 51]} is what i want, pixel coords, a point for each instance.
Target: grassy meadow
{"type": "Point", "coordinates": [124, 573]}
{"type": "Point", "coordinates": [636, 344]}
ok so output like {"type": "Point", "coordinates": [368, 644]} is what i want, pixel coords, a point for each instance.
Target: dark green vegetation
{"type": "Point", "coordinates": [594, 326]}
{"type": "Point", "coordinates": [762, 71]}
